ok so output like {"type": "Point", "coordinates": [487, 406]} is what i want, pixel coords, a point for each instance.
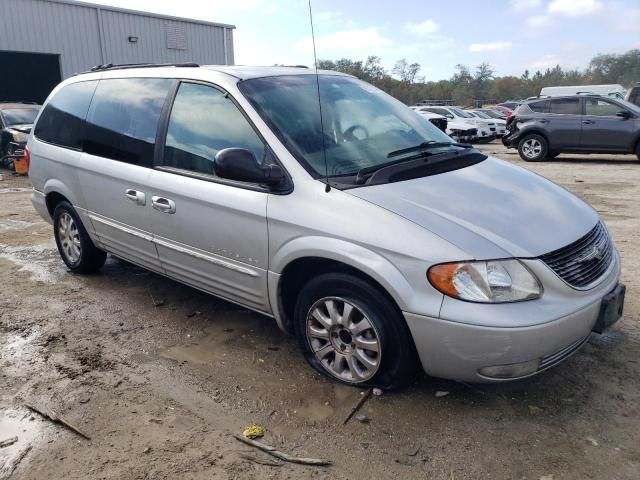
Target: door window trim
{"type": "Point", "coordinates": [163, 129]}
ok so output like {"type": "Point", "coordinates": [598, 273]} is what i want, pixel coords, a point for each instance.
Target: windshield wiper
{"type": "Point", "coordinates": [426, 146]}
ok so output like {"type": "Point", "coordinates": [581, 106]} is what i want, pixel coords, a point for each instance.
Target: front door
{"type": "Point", "coordinates": [602, 129]}
{"type": "Point", "coordinates": [114, 171]}
{"type": "Point", "coordinates": [209, 232]}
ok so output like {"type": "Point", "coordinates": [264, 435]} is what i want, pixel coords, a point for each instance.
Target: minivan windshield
{"type": "Point", "coordinates": [362, 125]}
{"type": "Point", "coordinates": [461, 113]}
{"type": "Point", "coordinates": [19, 116]}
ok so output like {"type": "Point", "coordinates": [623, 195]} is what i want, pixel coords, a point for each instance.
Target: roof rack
{"type": "Point", "coordinates": [111, 66]}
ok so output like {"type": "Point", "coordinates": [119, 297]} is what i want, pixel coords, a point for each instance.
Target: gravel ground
{"type": "Point", "coordinates": [161, 389]}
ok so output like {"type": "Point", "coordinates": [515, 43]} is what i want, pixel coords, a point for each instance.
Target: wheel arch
{"type": "Point", "coordinates": [291, 270]}
{"type": "Point", "coordinates": [55, 191]}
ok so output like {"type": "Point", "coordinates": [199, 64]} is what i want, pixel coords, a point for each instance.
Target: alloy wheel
{"type": "Point", "coordinates": [69, 237]}
{"type": "Point", "coordinates": [532, 148]}
{"type": "Point", "coordinates": [343, 339]}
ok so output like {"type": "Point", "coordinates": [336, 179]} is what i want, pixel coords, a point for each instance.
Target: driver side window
{"type": "Point", "coordinates": [600, 108]}
{"type": "Point", "coordinates": [204, 121]}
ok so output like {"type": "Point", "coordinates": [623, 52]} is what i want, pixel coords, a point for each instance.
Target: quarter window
{"type": "Point", "coordinates": [600, 108]}
{"type": "Point", "coordinates": [62, 120]}
{"type": "Point", "coordinates": [124, 117]}
{"type": "Point", "coordinates": [565, 106]}
{"type": "Point", "coordinates": [204, 121]}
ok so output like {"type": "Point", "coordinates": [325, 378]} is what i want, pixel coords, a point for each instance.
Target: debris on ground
{"type": "Point", "coordinates": [8, 442]}
{"type": "Point", "coordinates": [253, 431]}
{"type": "Point", "coordinates": [261, 461]}
{"type": "Point", "coordinates": [365, 396]}
{"type": "Point", "coordinates": [194, 314]}
{"type": "Point", "coordinates": [54, 417]}
{"type": "Point", "coordinates": [154, 301]}
{"type": "Point", "coordinates": [147, 450]}
{"type": "Point", "coordinates": [377, 392]}
{"type": "Point", "coordinates": [281, 455]}
{"type": "Point", "coordinates": [441, 393]}
{"type": "Point", "coordinates": [363, 418]}
{"type": "Point", "coordinates": [7, 469]}
{"type": "Point", "coordinates": [592, 441]}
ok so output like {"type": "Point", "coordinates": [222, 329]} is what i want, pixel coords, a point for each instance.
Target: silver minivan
{"type": "Point", "coordinates": [323, 202]}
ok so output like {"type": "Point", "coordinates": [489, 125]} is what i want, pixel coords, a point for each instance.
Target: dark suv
{"type": "Point", "coordinates": [545, 127]}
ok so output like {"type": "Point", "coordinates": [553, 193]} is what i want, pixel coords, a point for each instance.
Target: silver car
{"type": "Point", "coordinates": [359, 226]}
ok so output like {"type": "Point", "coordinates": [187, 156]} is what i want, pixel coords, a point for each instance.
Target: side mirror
{"type": "Point", "coordinates": [623, 114]}
{"type": "Point", "coordinates": [241, 165]}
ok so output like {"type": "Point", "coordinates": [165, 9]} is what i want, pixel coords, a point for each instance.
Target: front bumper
{"type": "Point", "coordinates": [469, 336]}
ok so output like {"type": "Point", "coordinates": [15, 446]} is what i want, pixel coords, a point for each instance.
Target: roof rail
{"type": "Point", "coordinates": [111, 66]}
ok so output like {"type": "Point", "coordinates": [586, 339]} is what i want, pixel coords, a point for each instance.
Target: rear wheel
{"type": "Point", "coordinates": [533, 148]}
{"type": "Point", "coordinates": [353, 333]}
{"type": "Point", "coordinates": [76, 248]}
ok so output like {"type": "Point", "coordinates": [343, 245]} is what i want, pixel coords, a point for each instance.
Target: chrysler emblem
{"type": "Point", "coordinates": [596, 252]}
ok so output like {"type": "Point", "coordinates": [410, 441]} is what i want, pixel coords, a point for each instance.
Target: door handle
{"type": "Point", "coordinates": [544, 120]}
{"type": "Point", "coordinates": [135, 196]}
{"type": "Point", "coordinates": [163, 204]}
{"type": "Point", "coordinates": [588, 122]}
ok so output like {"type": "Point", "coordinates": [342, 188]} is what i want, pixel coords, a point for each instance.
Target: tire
{"type": "Point", "coordinates": [74, 245]}
{"type": "Point", "coordinates": [323, 337]}
{"type": "Point", "coordinates": [533, 148]}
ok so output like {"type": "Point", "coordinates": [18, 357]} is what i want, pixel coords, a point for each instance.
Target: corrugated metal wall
{"type": "Point", "coordinates": [85, 35]}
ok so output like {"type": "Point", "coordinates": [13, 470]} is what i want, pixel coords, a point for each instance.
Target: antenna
{"type": "Point", "coordinates": [315, 63]}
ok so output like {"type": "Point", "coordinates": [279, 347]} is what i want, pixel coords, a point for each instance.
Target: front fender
{"type": "Point", "coordinates": [367, 261]}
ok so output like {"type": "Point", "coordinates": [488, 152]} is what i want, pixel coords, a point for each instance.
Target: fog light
{"type": "Point", "coordinates": [513, 370]}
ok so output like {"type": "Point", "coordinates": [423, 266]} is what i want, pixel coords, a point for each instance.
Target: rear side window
{"type": "Point", "coordinates": [539, 107]}
{"type": "Point", "coordinates": [62, 120]}
{"type": "Point", "coordinates": [565, 106]}
{"type": "Point", "coordinates": [124, 117]}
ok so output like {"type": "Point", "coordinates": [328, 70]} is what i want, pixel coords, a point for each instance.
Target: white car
{"type": "Point", "coordinates": [501, 125]}
{"type": "Point", "coordinates": [460, 131]}
{"type": "Point", "coordinates": [486, 129]}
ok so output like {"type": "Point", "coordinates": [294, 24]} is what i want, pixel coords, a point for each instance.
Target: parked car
{"type": "Point", "coordinates": [500, 125]}
{"type": "Point", "coordinates": [633, 94]}
{"type": "Point", "coordinates": [438, 120]}
{"type": "Point", "coordinates": [492, 113]}
{"type": "Point", "coordinates": [484, 128]}
{"type": "Point", "coordinates": [16, 120]}
{"type": "Point", "coordinates": [580, 123]}
{"type": "Point", "coordinates": [365, 232]}
{"type": "Point", "coordinates": [510, 104]}
{"type": "Point", "coordinates": [502, 109]}
{"type": "Point", "coordinates": [611, 90]}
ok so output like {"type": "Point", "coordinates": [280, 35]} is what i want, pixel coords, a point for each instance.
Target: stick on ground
{"type": "Point", "coordinates": [51, 415]}
{"type": "Point", "coordinates": [358, 405]}
{"type": "Point", "coordinates": [7, 470]}
{"type": "Point", "coordinates": [282, 456]}
{"type": "Point", "coordinates": [8, 442]}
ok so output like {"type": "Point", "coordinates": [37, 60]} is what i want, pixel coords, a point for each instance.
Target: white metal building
{"type": "Point", "coordinates": [45, 41]}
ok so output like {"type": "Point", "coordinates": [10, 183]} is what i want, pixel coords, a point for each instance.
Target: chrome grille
{"type": "Point", "coordinates": [557, 357]}
{"type": "Point", "coordinates": [584, 261]}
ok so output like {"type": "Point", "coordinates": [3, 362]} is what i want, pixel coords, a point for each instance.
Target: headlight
{"type": "Point", "coordinates": [493, 281]}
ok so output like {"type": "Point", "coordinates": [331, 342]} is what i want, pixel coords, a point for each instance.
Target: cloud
{"type": "Point", "coordinates": [347, 40]}
{"type": "Point", "coordinates": [575, 8]}
{"type": "Point", "coordinates": [423, 28]}
{"type": "Point", "coordinates": [540, 22]}
{"type": "Point", "coordinates": [489, 47]}
{"type": "Point", "coordinates": [547, 61]}
{"type": "Point", "coordinates": [523, 5]}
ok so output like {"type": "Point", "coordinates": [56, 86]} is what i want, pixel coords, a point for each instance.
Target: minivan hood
{"type": "Point", "coordinates": [490, 210]}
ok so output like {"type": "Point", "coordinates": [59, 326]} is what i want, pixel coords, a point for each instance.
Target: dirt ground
{"type": "Point", "coordinates": [161, 389]}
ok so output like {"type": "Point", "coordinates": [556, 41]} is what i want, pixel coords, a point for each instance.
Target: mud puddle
{"type": "Point", "coordinates": [26, 430]}
{"type": "Point", "coordinates": [41, 261]}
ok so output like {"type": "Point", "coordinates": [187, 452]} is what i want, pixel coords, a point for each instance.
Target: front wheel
{"type": "Point", "coordinates": [352, 332]}
{"type": "Point", "coordinates": [533, 148]}
{"type": "Point", "coordinates": [76, 248]}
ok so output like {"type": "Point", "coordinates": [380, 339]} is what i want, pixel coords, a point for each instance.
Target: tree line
{"type": "Point", "coordinates": [467, 86]}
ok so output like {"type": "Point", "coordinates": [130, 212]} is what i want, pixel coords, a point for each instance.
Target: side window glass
{"type": "Point", "coordinates": [601, 108]}
{"type": "Point", "coordinates": [539, 107]}
{"type": "Point", "coordinates": [565, 106]}
{"type": "Point", "coordinates": [204, 121]}
{"type": "Point", "coordinates": [62, 120]}
{"type": "Point", "coordinates": [123, 119]}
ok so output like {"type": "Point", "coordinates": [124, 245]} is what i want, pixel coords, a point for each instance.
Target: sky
{"type": "Point", "coordinates": [511, 35]}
